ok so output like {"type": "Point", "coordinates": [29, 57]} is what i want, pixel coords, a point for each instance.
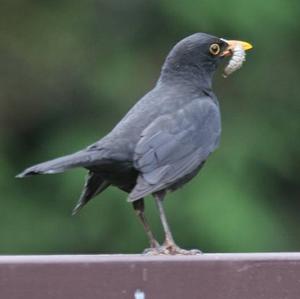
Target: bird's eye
{"type": "Point", "coordinates": [214, 49]}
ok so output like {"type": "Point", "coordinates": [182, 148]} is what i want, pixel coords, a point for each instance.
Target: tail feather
{"type": "Point", "coordinates": [94, 185]}
{"type": "Point", "coordinates": [78, 159]}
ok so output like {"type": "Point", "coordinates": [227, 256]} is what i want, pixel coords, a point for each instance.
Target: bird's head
{"type": "Point", "coordinates": [197, 56]}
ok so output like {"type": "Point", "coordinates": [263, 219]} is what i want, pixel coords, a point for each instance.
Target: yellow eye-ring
{"type": "Point", "coordinates": [214, 49]}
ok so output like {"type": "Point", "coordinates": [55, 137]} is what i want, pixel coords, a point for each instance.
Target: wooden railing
{"type": "Point", "coordinates": [208, 276]}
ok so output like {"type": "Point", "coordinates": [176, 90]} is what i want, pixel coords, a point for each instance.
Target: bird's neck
{"type": "Point", "coordinates": [198, 76]}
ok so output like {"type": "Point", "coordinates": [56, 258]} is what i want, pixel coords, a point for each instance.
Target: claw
{"type": "Point", "coordinates": [170, 249]}
{"type": "Point", "coordinates": [152, 251]}
{"type": "Point", "coordinates": [175, 250]}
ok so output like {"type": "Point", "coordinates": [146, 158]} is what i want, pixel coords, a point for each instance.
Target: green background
{"type": "Point", "coordinates": [69, 70]}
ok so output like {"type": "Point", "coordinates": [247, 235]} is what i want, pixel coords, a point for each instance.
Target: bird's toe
{"type": "Point", "coordinates": [151, 251]}
{"type": "Point", "coordinates": [173, 249]}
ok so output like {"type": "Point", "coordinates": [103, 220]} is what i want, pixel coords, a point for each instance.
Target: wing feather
{"type": "Point", "coordinates": [174, 145]}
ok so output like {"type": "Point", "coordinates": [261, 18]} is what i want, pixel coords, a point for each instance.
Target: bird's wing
{"type": "Point", "coordinates": [174, 145]}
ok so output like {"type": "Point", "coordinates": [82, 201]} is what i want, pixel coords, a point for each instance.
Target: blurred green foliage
{"type": "Point", "coordinates": [71, 69]}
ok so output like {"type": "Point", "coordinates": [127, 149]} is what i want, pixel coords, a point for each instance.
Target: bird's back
{"type": "Point", "coordinates": [162, 100]}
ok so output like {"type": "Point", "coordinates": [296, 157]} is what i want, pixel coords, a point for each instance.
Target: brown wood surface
{"type": "Point", "coordinates": [208, 276]}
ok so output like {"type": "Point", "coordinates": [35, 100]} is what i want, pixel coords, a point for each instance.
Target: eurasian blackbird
{"type": "Point", "coordinates": [164, 139]}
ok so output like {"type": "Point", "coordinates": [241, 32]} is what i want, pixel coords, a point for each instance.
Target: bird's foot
{"type": "Point", "coordinates": [151, 251]}
{"type": "Point", "coordinates": [154, 249]}
{"type": "Point", "coordinates": [170, 249]}
{"type": "Point", "coordinates": [173, 249]}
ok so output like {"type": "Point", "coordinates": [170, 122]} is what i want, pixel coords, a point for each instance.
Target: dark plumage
{"type": "Point", "coordinates": [163, 141]}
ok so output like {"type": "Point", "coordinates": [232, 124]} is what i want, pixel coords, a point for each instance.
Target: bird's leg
{"type": "Point", "coordinates": [139, 208]}
{"type": "Point", "coordinates": [169, 240]}
{"type": "Point", "coordinates": [169, 246]}
{"type": "Point", "coordinates": [159, 197]}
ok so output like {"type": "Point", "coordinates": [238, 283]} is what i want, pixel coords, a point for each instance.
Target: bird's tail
{"type": "Point", "coordinates": [79, 159]}
{"type": "Point", "coordinates": [94, 185]}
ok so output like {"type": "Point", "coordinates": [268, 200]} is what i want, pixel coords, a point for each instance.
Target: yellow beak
{"type": "Point", "coordinates": [232, 44]}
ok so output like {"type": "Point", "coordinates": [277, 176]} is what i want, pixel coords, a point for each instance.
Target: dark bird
{"type": "Point", "coordinates": [164, 139]}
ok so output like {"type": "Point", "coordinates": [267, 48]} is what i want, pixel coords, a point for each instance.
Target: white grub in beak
{"type": "Point", "coordinates": [238, 50]}
{"type": "Point", "coordinates": [236, 61]}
